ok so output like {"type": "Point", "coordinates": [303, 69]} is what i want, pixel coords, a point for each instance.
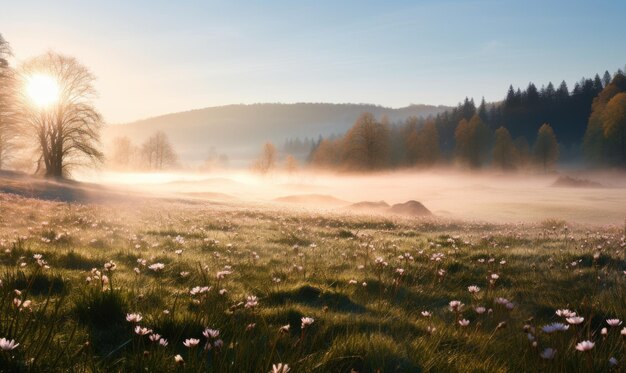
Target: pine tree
{"type": "Point", "coordinates": [606, 79]}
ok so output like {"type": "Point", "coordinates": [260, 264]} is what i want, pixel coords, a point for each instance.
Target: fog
{"type": "Point", "coordinates": [489, 197]}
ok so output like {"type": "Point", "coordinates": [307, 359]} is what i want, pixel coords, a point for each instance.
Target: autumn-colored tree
{"type": "Point", "coordinates": [614, 124]}
{"type": "Point", "coordinates": [462, 137]}
{"type": "Point", "coordinates": [366, 145]}
{"type": "Point", "coordinates": [291, 164]}
{"type": "Point", "coordinates": [596, 146]}
{"type": "Point", "coordinates": [422, 145]}
{"type": "Point", "coordinates": [522, 148]}
{"type": "Point", "coordinates": [267, 160]}
{"type": "Point", "coordinates": [546, 148]}
{"type": "Point", "coordinates": [505, 155]}
{"type": "Point", "coordinates": [472, 141]}
{"type": "Point", "coordinates": [327, 153]}
{"type": "Point", "coordinates": [158, 153]}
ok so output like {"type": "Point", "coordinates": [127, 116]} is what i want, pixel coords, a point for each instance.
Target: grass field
{"type": "Point", "coordinates": [166, 285]}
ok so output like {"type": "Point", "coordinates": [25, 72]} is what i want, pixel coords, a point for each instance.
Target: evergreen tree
{"type": "Point", "coordinates": [606, 79]}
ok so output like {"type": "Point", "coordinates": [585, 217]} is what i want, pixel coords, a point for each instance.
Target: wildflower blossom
{"type": "Point", "coordinates": [191, 342]}
{"type": "Point", "coordinates": [575, 320]}
{"type": "Point", "coordinates": [199, 290]}
{"type": "Point", "coordinates": [211, 333]}
{"type": "Point", "coordinates": [456, 305]}
{"type": "Point", "coordinates": [565, 313]}
{"type": "Point", "coordinates": [8, 345]}
{"type": "Point", "coordinates": [614, 322]}
{"type": "Point", "coordinates": [156, 267]}
{"type": "Point", "coordinates": [110, 266]}
{"type": "Point", "coordinates": [307, 321]}
{"type": "Point", "coordinates": [473, 289]}
{"type": "Point", "coordinates": [251, 301]}
{"type": "Point", "coordinates": [280, 368]}
{"type": "Point", "coordinates": [133, 317]}
{"type": "Point", "coordinates": [155, 337]}
{"type": "Point", "coordinates": [284, 328]}
{"type": "Point", "coordinates": [142, 331]}
{"type": "Point", "coordinates": [585, 346]}
{"type": "Point", "coordinates": [557, 326]}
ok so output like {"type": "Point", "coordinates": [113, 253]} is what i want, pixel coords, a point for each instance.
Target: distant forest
{"type": "Point", "coordinates": [529, 128]}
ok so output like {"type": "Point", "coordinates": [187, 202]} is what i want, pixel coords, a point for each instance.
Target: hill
{"type": "Point", "coordinates": [239, 130]}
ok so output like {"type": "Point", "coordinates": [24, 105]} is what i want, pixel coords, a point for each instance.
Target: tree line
{"type": "Point", "coordinates": [373, 144]}
{"type": "Point", "coordinates": [530, 128]}
{"type": "Point", "coordinates": [156, 153]}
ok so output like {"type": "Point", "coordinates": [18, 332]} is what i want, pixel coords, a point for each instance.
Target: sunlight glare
{"type": "Point", "coordinates": [43, 90]}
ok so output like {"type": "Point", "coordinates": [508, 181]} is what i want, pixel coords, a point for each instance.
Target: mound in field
{"type": "Point", "coordinates": [368, 206]}
{"type": "Point", "coordinates": [320, 200]}
{"type": "Point", "coordinates": [410, 208]}
{"type": "Point", "coordinates": [571, 182]}
{"type": "Point", "coordinates": [211, 196]}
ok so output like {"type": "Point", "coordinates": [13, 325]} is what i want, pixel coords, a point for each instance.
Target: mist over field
{"type": "Point", "coordinates": [490, 196]}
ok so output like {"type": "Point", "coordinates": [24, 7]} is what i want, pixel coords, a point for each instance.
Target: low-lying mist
{"type": "Point", "coordinates": [490, 197]}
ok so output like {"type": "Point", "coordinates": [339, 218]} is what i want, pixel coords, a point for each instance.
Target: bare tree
{"type": "Point", "coordinates": [158, 153]}
{"type": "Point", "coordinates": [7, 104]}
{"type": "Point", "coordinates": [124, 153]}
{"type": "Point", "coordinates": [67, 133]}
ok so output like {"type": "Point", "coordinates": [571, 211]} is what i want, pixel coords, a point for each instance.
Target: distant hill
{"type": "Point", "coordinates": [239, 130]}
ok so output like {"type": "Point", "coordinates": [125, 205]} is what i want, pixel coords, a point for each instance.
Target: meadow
{"type": "Point", "coordinates": [190, 285]}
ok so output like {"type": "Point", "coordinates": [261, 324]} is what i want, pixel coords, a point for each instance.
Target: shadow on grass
{"type": "Point", "coordinates": [37, 284]}
{"type": "Point", "coordinates": [315, 297]}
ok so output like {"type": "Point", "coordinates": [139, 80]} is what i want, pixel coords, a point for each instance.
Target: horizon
{"type": "Point", "coordinates": [394, 56]}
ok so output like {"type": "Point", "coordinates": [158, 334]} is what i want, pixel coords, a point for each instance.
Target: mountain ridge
{"type": "Point", "coordinates": [239, 130]}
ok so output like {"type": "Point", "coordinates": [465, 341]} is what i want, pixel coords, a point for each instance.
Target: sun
{"type": "Point", "coordinates": [42, 89]}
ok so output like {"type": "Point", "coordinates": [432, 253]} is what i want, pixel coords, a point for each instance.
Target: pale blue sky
{"type": "Point", "coordinates": [155, 57]}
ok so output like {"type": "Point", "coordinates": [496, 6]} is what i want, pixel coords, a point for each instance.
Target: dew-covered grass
{"type": "Point", "coordinates": [133, 287]}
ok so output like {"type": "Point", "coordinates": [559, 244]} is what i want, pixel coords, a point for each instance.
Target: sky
{"type": "Point", "coordinates": [154, 57]}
